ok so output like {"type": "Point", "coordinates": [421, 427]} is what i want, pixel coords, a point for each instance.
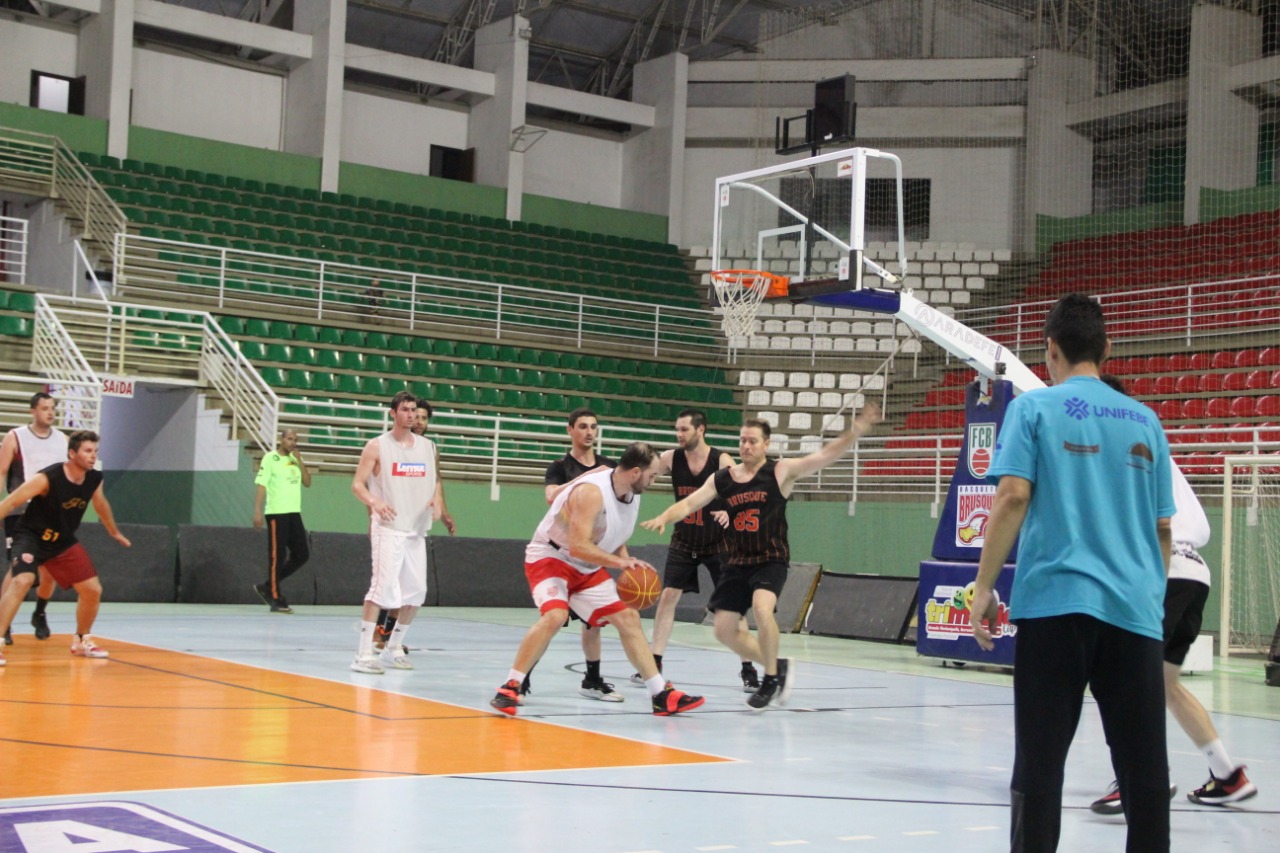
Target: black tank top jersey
{"type": "Point", "coordinates": [563, 470]}
{"type": "Point", "coordinates": [53, 518]}
{"type": "Point", "coordinates": [697, 533]}
{"type": "Point", "coordinates": [757, 518]}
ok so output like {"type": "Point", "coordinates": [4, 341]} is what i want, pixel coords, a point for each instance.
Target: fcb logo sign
{"type": "Point", "coordinates": [982, 443]}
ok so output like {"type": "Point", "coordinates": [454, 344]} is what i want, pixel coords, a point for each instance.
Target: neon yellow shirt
{"type": "Point", "coordinates": [282, 478]}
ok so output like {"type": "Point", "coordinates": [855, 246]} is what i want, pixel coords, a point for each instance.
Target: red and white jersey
{"type": "Point", "coordinates": [611, 529]}
{"type": "Point", "coordinates": [1191, 532]}
{"type": "Point", "coordinates": [406, 480]}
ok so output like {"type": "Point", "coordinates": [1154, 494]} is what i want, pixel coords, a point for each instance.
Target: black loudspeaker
{"type": "Point", "coordinates": [834, 109]}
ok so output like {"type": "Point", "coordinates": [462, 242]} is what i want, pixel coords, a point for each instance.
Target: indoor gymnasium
{"type": "Point", "coordinates": [688, 373]}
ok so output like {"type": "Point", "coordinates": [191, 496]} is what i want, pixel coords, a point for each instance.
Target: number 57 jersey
{"type": "Point", "coordinates": [757, 518]}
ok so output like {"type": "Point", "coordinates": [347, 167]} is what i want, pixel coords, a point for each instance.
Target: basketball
{"type": "Point", "coordinates": [639, 587]}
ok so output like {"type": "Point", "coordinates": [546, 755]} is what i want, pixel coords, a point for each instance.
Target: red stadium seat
{"type": "Point", "coordinates": [1194, 409]}
{"type": "Point", "coordinates": [1143, 386]}
{"type": "Point", "coordinates": [1258, 380]}
{"type": "Point", "coordinates": [1169, 410]}
{"type": "Point", "coordinates": [1179, 363]}
{"type": "Point", "coordinates": [1158, 364]}
{"type": "Point", "coordinates": [1275, 379]}
{"type": "Point", "coordinates": [1242, 407]}
{"type": "Point", "coordinates": [1201, 362]}
{"type": "Point", "coordinates": [1210, 383]}
{"type": "Point", "coordinates": [1219, 407]}
{"type": "Point", "coordinates": [1138, 364]}
{"type": "Point", "coordinates": [1223, 360]}
{"type": "Point", "coordinates": [1269, 357]}
{"type": "Point", "coordinates": [1187, 384]}
{"type": "Point", "coordinates": [1268, 406]}
{"type": "Point", "coordinates": [1247, 358]}
{"type": "Point", "coordinates": [1234, 381]}
{"type": "Point", "coordinates": [1116, 366]}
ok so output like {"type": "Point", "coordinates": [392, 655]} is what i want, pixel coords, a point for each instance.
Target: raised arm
{"type": "Point", "coordinates": [705, 494]}
{"type": "Point", "coordinates": [33, 488]}
{"type": "Point", "coordinates": [366, 468]}
{"type": "Point", "coordinates": [790, 470]}
{"type": "Point", "coordinates": [103, 509]}
{"type": "Point", "coordinates": [302, 468]}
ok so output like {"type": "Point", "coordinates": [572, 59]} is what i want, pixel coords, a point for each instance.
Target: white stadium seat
{"type": "Point", "coordinates": [843, 345]}
{"type": "Point", "coordinates": [800, 421]}
{"type": "Point", "coordinates": [784, 399]}
{"type": "Point", "coordinates": [874, 382]}
{"type": "Point", "coordinates": [758, 397]}
{"type": "Point", "coordinates": [801, 342]}
{"type": "Point", "coordinates": [854, 401]}
{"type": "Point", "coordinates": [824, 344]}
{"type": "Point", "coordinates": [780, 342]}
{"type": "Point", "coordinates": [866, 345]}
{"type": "Point", "coordinates": [749, 378]}
{"type": "Point", "coordinates": [851, 381]}
{"type": "Point", "coordinates": [771, 418]}
{"type": "Point", "coordinates": [774, 379]}
{"type": "Point", "coordinates": [824, 380]}
{"type": "Point", "coordinates": [833, 423]}
{"type": "Point", "coordinates": [839, 327]}
{"type": "Point", "coordinates": [810, 443]}
{"type": "Point", "coordinates": [798, 380]}
{"type": "Point", "coordinates": [795, 327]}
{"type": "Point", "coordinates": [830, 400]}
{"type": "Point", "coordinates": [773, 326]}
{"type": "Point", "coordinates": [807, 399]}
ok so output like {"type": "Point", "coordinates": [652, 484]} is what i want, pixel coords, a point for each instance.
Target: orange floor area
{"type": "Point", "coordinates": [150, 718]}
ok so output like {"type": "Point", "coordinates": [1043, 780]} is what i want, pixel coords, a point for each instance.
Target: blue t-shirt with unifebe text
{"type": "Point", "coordinates": [1099, 466]}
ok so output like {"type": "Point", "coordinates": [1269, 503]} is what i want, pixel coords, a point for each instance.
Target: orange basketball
{"type": "Point", "coordinates": [639, 587]}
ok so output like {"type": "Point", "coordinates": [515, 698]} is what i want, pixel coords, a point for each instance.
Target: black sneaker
{"type": "Point", "coordinates": [1220, 792]}
{"type": "Point", "coordinates": [41, 624]}
{"type": "Point", "coordinates": [526, 688]}
{"type": "Point", "coordinates": [8, 638]}
{"type": "Point", "coordinates": [598, 688]}
{"type": "Point", "coordinates": [786, 680]}
{"type": "Point", "coordinates": [281, 606]}
{"type": "Point", "coordinates": [264, 593]}
{"type": "Point", "coordinates": [672, 701]}
{"type": "Point", "coordinates": [750, 679]}
{"type": "Point", "coordinates": [765, 694]}
{"type": "Point", "coordinates": [507, 698]}
{"type": "Point", "coordinates": [1111, 804]}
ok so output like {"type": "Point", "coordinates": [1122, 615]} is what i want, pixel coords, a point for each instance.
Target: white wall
{"type": "Point", "coordinates": [207, 99]}
{"type": "Point", "coordinates": [165, 428]}
{"type": "Point", "coordinates": [396, 134]}
{"type": "Point", "coordinates": [27, 47]}
{"type": "Point", "coordinates": [575, 168]}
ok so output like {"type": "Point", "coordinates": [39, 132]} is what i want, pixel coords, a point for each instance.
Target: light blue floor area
{"type": "Point", "coordinates": [878, 750]}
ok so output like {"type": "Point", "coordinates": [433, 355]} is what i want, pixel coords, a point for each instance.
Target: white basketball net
{"type": "Point", "coordinates": [740, 293]}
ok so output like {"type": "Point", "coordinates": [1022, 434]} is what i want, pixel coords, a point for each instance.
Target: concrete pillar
{"type": "Point", "coordinates": [653, 161]}
{"type": "Point", "coordinates": [313, 104]}
{"type": "Point", "coordinates": [1059, 161]}
{"type": "Point", "coordinates": [104, 57]}
{"type": "Point", "coordinates": [1222, 129]}
{"type": "Point", "coordinates": [502, 49]}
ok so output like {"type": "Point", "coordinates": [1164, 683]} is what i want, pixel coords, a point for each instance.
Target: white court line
{"type": "Point", "coordinates": [787, 843]}
{"type": "Point", "coordinates": [718, 847]}
{"type": "Point", "coordinates": [856, 838]}
{"type": "Point", "coordinates": [980, 828]}
{"type": "Point", "coordinates": [923, 832]}
{"type": "Point", "coordinates": [883, 720]}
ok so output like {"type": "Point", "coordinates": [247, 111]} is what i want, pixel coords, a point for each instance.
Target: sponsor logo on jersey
{"type": "Point", "coordinates": [408, 469]}
{"type": "Point", "coordinates": [973, 508]}
{"type": "Point", "coordinates": [75, 503]}
{"type": "Point", "coordinates": [982, 441]}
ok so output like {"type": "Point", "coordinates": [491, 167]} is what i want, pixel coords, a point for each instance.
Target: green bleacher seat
{"type": "Point", "coordinates": [281, 330]}
{"type": "Point", "coordinates": [298, 379]}
{"type": "Point", "coordinates": [274, 376]}
{"type": "Point", "coordinates": [330, 335]}
{"type": "Point", "coordinates": [400, 343]}
{"type": "Point", "coordinates": [378, 341]}
{"type": "Point", "coordinates": [353, 338]}
{"type": "Point", "coordinates": [21, 300]}
{"type": "Point", "coordinates": [377, 388]}
{"type": "Point", "coordinates": [19, 327]}
{"type": "Point", "coordinates": [306, 333]}
{"type": "Point", "coordinates": [488, 374]}
{"type": "Point", "coordinates": [353, 360]}
{"type": "Point", "coordinates": [328, 358]}
{"type": "Point", "coordinates": [322, 381]}
{"type": "Point", "coordinates": [512, 377]}
{"type": "Point", "coordinates": [282, 353]}
{"type": "Point", "coordinates": [400, 366]}
{"type": "Point", "coordinates": [350, 383]}
{"type": "Point", "coordinates": [256, 327]}
{"type": "Point", "coordinates": [305, 355]}
{"type": "Point", "coordinates": [376, 363]}
{"type": "Point", "coordinates": [467, 373]}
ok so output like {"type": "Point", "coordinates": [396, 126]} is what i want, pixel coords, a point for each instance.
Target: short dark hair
{"type": "Point", "coordinates": [697, 417]}
{"type": "Point", "coordinates": [759, 424]}
{"type": "Point", "coordinates": [1115, 383]}
{"type": "Point", "coordinates": [1076, 325]}
{"type": "Point", "coordinates": [424, 403]}
{"type": "Point", "coordinates": [401, 398]}
{"type": "Point", "coordinates": [638, 455]}
{"type": "Point", "coordinates": [78, 438]}
{"type": "Point", "coordinates": [581, 412]}
{"type": "Point", "coordinates": [41, 395]}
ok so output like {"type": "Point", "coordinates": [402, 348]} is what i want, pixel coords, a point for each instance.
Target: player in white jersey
{"type": "Point", "coordinates": [586, 529]}
{"type": "Point", "coordinates": [397, 480]}
{"type": "Point", "coordinates": [25, 452]}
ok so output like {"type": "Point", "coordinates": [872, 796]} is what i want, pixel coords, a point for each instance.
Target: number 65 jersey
{"type": "Point", "coordinates": [757, 518]}
{"type": "Point", "coordinates": [52, 519]}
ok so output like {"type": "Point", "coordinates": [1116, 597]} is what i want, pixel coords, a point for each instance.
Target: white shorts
{"type": "Point", "coordinates": [399, 568]}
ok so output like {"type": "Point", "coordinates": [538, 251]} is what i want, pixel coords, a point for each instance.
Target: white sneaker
{"type": "Point", "coordinates": [367, 664]}
{"type": "Point", "coordinates": [86, 647]}
{"type": "Point", "coordinates": [395, 658]}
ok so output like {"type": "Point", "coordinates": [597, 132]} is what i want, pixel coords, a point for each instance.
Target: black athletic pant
{"type": "Point", "coordinates": [1054, 659]}
{"type": "Point", "coordinates": [287, 548]}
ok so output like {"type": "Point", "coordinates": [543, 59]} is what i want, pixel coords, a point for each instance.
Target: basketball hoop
{"type": "Point", "coordinates": [740, 293]}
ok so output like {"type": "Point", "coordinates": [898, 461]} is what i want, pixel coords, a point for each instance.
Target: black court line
{"type": "Point", "coordinates": [831, 797]}
{"type": "Point", "coordinates": [148, 754]}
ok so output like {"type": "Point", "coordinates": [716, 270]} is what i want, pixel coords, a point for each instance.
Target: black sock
{"type": "Point", "coordinates": [658, 660]}
{"type": "Point", "coordinates": [41, 604]}
{"type": "Point", "coordinates": [593, 670]}
{"type": "Point", "coordinates": [770, 679]}
{"type": "Point", "coordinates": [748, 666]}
{"type": "Point", "coordinates": [390, 624]}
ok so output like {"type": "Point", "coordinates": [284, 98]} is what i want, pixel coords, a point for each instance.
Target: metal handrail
{"type": "Point", "coordinates": [55, 354]}
{"type": "Point", "coordinates": [42, 164]}
{"type": "Point", "coordinates": [255, 407]}
{"type": "Point", "coordinates": [13, 249]}
{"type": "Point", "coordinates": [236, 279]}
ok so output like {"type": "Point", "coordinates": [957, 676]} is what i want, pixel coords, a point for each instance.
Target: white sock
{"type": "Point", "coordinates": [365, 647]}
{"type": "Point", "coordinates": [517, 676]}
{"type": "Point", "coordinates": [656, 685]}
{"type": "Point", "coordinates": [1219, 762]}
{"type": "Point", "coordinates": [397, 638]}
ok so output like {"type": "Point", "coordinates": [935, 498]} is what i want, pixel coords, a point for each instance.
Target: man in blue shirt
{"type": "Point", "coordinates": [1084, 475]}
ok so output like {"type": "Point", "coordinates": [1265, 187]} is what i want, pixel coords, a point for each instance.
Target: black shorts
{"type": "Point", "coordinates": [737, 586]}
{"type": "Point", "coordinates": [681, 570]}
{"type": "Point", "coordinates": [10, 530]}
{"type": "Point", "coordinates": [1183, 609]}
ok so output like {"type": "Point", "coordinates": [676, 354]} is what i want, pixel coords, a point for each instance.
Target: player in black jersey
{"type": "Point", "coordinates": [755, 568]}
{"type": "Point", "coordinates": [697, 539]}
{"type": "Point", "coordinates": [583, 428]}
{"type": "Point", "coordinates": [46, 536]}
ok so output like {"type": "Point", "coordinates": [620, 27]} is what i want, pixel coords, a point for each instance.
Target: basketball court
{"type": "Point", "coordinates": [240, 730]}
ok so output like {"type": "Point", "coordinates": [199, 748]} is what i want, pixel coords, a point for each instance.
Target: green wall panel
{"type": "Point", "coordinates": [1215, 204]}
{"type": "Point", "coordinates": [593, 218]}
{"type": "Point", "coordinates": [76, 132]}
{"type": "Point", "coordinates": [423, 190]}
{"type": "Point", "coordinates": [223, 158]}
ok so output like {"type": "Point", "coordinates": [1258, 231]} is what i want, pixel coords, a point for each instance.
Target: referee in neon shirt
{"type": "Point", "coordinates": [279, 482]}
